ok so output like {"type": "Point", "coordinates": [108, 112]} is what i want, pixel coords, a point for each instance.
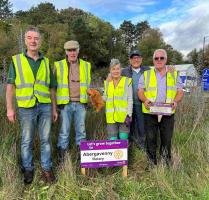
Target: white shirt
{"type": "Point", "coordinates": [137, 70]}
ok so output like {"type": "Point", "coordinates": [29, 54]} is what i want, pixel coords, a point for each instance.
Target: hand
{"type": "Point", "coordinates": [54, 115]}
{"type": "Point", "coordinates": [88, 91]}
{"type": "Point", "coordinates": [11, 115]}
{"type": "Point", "coordinates": [174, 105]}
{"type": "Point", "coordinates": [128, 120]}
{"type": "Point", "coordinates": [147, 104]}
{"type": "Point", "coordinates": [170, 69]}
{"type": "Point", "coordinates": [109, 78]}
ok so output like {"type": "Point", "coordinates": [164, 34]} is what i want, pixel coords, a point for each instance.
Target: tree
{"type": "Point", "coordinates": [195, 57]}
{"type": "Point", "coordinates": [119, 47]}
{"type": "Point", "coordinates": [5, 9]}
{"type": "Point", "coordinates": [128, 33]}
{"type": "Point", "coordinates": [44, 13]}
{"type": "Point", "coordinates": [140, 27]}
{"type": "Point", "coordinates": [151, 40]}
{"type": "Point", "coordinates": [206, 57]}
{"type": "Point", "coordinates": [71, 14]}
{"type": "Point", "coordinates": [174, 57]}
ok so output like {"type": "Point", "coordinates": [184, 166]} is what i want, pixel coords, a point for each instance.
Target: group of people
{"type": "Point", "coordinates": [128, 93]}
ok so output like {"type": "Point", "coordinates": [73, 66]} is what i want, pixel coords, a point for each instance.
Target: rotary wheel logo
{"type": "Point", "coordinates": [118, 154]}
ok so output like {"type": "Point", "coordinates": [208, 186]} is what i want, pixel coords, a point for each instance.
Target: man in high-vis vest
{"type": "Point", "coordinates": [73, 77]}
{"type": "Point", "coordinates": [158, 85]}
{"type": "Point", "coordinates": [31, 80]}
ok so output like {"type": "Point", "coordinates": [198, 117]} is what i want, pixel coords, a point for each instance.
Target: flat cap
{"type": "Point", "coordinates": [72, 44]}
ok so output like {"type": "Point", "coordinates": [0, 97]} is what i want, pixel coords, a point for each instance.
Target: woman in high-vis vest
{"type": "Point", "coordinates": [119, 102]}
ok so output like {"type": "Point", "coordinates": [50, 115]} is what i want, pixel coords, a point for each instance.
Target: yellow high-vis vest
{"type": "Point", "coordinates": [28, 88]}
{"type": "Point", "coordinates": [63, 93]}
{"type": "Point", "coordinates": [116, 100]}
{"type": "Point", "coordinates": [150, 90]}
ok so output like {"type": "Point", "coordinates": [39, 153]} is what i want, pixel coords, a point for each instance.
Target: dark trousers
{"type": "Point", "coordinates": [165, 130]}
{"type": "Point", "coordinates": [137, 126]}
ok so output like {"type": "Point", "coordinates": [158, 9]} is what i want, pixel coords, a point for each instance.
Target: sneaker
{"type": "Point", "coordinates": [48, 176]}
{"type": "Point", "coordinates": [28, 176]}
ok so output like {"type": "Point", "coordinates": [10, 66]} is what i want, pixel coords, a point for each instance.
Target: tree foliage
{"type": "Point", "coordinates": [196, 57]}
{"type": "Point", "coordinates": [151, 40]}
{"type": "Point", "coordinates": [5, 9]}
{"type": "Point", "coordinates": [132, 34]}
{"type": "Point", "coordinates": [99, 40]}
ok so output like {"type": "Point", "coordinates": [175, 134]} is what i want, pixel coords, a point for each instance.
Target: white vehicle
{"type": "Point", "coordinates": [188, 74]}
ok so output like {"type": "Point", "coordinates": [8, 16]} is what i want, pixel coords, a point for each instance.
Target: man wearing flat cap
{"type": "Point", "coordinates": [73, 77]}
{"type": "Point", "coordinates": [134, 71]}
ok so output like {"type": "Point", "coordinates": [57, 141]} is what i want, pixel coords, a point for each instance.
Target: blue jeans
{"type": "Point", "coordinates": [72, 110]}
{"type": "Point", "coordinates": [38, 117]}
{"type": "Point", "coordinates": [137, 126]}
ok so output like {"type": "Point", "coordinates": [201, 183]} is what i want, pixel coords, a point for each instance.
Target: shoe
{"type": "Point", "coordinates": [28, 176]}
{"type": "Point", "coordinates": [151, 165]}
{"type": "Point", "coordinates": [141, 147]}
{"type": "Point", "coordinates": [48, 176]}
{"type": "Point", "coordinates": [61, 155]}
{"type": "Point", "coordinates": [78, 153]}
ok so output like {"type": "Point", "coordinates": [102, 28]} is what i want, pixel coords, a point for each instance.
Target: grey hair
{"type": "Point", "coordinates": [33, 29]}
{"type": "Point", "coordinates": [161, 50]}
{"type": "Point", "coordinates": [113, 62]}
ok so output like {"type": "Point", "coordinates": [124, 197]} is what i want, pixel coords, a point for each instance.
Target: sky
{"type": "Point", "coordinates": [183, 23]}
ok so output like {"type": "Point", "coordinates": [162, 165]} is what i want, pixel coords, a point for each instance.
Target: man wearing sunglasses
{"type": "Point", "coordinates": [73, 77]}
{"type": "Point", "coordinates": [161, 86]}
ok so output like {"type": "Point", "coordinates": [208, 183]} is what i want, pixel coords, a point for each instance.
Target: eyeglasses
{"type": "Point", "coordinates": [159, 58]}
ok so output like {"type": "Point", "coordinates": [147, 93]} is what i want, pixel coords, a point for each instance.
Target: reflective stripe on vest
{"type": "Point", "coordinates": [28, 89]}
{"type": "Point", "coordinates": [63, 93]}
{"type": "Point", "coordinates": [150, 91]}
{"type": "Point", "coordinates": [117, 100]}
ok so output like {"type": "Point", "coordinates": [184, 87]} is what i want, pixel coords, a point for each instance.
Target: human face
{"type": "Point", "coordinates": [72, 55]}
{"type": "Point", "coordinates": [115, 71]}
{"type": "Point", "coordinates": [32, 41]}
{"type": "Point", "coordinates": [136, 61]}
{"type": "Point", "coordinates": [159, 60]}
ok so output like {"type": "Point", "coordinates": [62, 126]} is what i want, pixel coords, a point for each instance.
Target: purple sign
{"type": "Point", "coordinates": [104, 153]}
{"type": "Point", "coordinates": [161, 108]}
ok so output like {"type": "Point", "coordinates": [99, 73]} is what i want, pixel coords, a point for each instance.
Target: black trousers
{"type": "Point", "coordinates": [165, 129]}
{"type": "Point", "coordinates": [137, 126]}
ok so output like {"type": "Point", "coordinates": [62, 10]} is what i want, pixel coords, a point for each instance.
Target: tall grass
{"type": "Point", "coordinates": [188, 177]}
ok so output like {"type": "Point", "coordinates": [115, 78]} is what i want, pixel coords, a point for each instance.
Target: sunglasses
{"type": "Point", "coordinates": [70, 50]}
{"type": "Point", "coordinates": [159, 58]}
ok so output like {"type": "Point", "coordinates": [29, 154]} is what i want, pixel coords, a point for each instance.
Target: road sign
{"type": "Point", "coordinates": [205, 72]}
{"type": "Point", "coordinates": [205, 83]}
{"type": "Point", "coordinates": [205, 79]}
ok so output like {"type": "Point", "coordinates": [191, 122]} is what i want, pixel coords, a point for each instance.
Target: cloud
{"type": "Point", "coordinates": [187, 33]}
{"type": "Point", "coordinates": [183, 23]}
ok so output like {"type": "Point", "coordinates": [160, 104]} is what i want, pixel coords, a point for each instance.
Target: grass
{"type": "Point", "coordinates": [188, 178]}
